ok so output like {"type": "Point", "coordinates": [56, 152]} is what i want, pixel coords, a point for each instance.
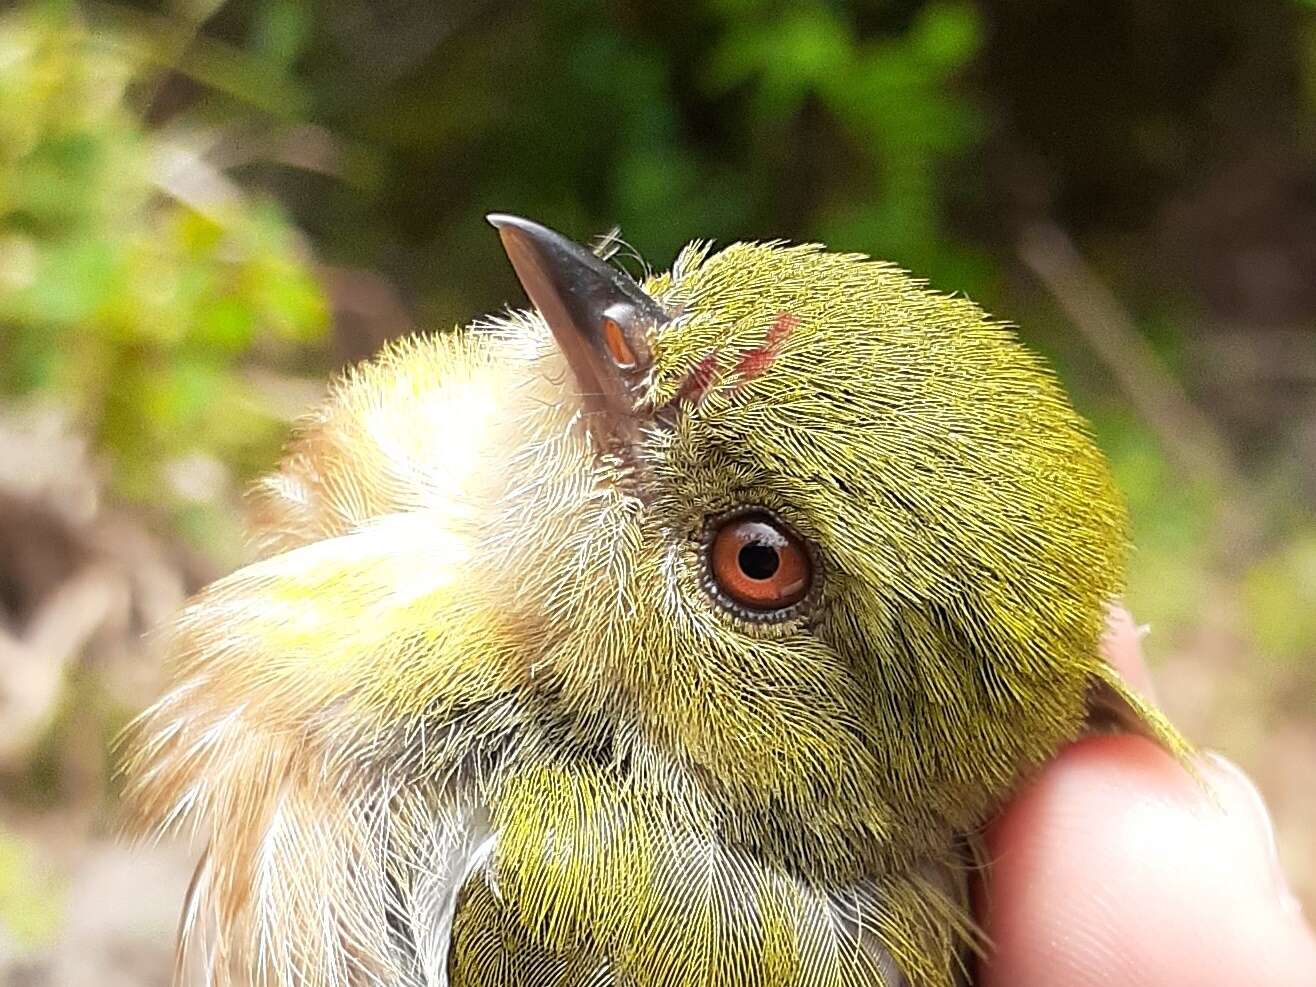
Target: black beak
{"type": "Point", "coordinates": [601, 319]}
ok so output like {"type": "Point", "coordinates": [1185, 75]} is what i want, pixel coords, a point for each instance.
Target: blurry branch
{"type": "Point", "coordinates": [185, 176]}
{"type": "Point", "coordinates": [174, 45]}
{"type": "Point", "coordinates": [367, 311]}
{"type": "Point", "coordinates": [1188, 435]}
{"type": "Point", "coordinates": [1268, 357]}
{"type": "Point", "coordinates": [79, 580]}
{"type": "Point", "coordinates": [307, 147]}
{"type": "Point", "coordinates": [33, 665]}
{"type": "Point", "coordinates": [393, 38]}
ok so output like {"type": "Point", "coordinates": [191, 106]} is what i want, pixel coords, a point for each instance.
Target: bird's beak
{"type": "Point", "coordinates": [601, 319]}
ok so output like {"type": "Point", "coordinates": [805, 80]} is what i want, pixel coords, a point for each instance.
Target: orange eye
{"type": "Point", "coordinates": [756, 562]}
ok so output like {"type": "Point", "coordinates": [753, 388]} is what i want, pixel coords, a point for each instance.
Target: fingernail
{"type": "Point", "coordinates": [1239, 795]}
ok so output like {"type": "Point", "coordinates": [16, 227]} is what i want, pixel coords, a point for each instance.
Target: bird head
{"type": "Point", "coordinates": [817, 551]}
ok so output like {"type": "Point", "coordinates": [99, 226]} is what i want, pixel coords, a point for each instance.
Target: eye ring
{"type": "Point", "coordinates": [757, 566]}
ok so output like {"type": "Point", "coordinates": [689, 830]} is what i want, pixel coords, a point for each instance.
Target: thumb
{"type": "Point", "coordinates": [1115, 867]}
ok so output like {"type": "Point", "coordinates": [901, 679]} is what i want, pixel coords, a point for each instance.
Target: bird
{"type": "Point", "coordinates": [676, 630]}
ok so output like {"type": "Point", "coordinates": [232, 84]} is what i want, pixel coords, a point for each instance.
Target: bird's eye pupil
{"type": "Point", "coordinates": [758, 561]}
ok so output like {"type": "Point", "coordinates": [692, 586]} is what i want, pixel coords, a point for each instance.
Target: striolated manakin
{"type": "Point", "coordinates": [682, 633]}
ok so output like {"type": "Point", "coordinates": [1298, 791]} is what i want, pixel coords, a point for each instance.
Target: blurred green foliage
{"type": "Point", "coordinates": [142, 276]}
{"type": "Point", "coordinates": [135, 278]}
{"type": "Point", "coordinates": [727, 119]}
{"type": "Point", "coordinates": [164, 169]}
{"type": "Point", "coordinates": [30, 904]}
{"type": "Point", "coordinates": [894, 99]}
{"type": "Point", "coordinates": [1279, 599]}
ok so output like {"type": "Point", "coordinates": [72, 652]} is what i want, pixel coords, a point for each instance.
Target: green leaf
{"type": "Point", "coordinates": [280, 31]}
{"type": "Point", "coordinates": [947, 35]}
{"type": "Point", "coordinates": [74, 279]}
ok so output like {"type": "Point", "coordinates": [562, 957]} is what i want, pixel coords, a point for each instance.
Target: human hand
{"type": "Point", "coordinates": [1115, 867]}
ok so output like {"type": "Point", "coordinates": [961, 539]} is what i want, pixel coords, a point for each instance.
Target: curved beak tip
{"type": "Point", "coordinates": [505, 223]}
{"type": "Point", "coordinates": [579, 295]}
{"type": "Point", "coordinates": [525, 242]}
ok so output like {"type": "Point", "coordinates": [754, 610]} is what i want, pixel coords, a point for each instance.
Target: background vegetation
{"type": "Point", "coordinates": [207, 207]}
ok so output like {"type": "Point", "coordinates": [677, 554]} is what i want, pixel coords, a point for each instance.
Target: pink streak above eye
{"type": "Point", "coordinates": [700, 378]}
{"type": "Point", "coordinates": [756, 361]}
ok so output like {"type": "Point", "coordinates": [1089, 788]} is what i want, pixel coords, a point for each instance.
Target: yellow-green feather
{"type": "Point", "coordinates": [472, 717]}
